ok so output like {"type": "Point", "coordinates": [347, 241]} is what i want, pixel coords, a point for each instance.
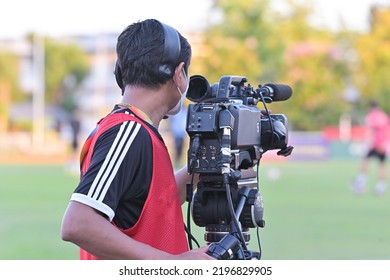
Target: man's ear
{"type": "Point", "coordinates": [178, 75]}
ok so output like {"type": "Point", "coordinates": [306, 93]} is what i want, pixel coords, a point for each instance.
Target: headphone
{"type": "Point", "coordinates": [170, 57]}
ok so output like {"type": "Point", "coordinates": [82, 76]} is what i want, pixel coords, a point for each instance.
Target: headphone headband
{"type": "Point", "coordinates": [171, 51]}
{"type": "Point", "coordinates": [169, 59]}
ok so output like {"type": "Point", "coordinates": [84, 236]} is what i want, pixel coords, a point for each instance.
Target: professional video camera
{"type": "Point", "coordinates": [228, 135]}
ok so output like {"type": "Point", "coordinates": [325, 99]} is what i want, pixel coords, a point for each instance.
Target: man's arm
{"type": "Point", "coordinates": [87, 228]}
{"type": "Point", "coordinates": [182, 178]}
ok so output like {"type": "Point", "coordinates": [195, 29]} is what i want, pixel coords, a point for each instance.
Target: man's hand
{"type": "Point", "coordinates": [196, 254]}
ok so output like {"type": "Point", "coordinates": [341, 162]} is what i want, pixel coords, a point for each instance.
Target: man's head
{"type": "Point", "coordinates": [148, 54]}
{"type": "Point", "coordinates": [373, 104]}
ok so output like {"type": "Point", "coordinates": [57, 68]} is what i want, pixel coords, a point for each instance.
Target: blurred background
{"type": "Point", "coordinates": [56, 80]}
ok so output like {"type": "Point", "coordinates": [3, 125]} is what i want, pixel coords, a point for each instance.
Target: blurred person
{"type": "Point", "coordinates": [377, 122]}
{"type": "Point", "coordinates": [128, 201]}
{"type": "Point", "coordinates": [75, 126]}
{"type": "Point", "coordinates": [75, 129]}
{"type": "Point", "coordinates": [178, 129]}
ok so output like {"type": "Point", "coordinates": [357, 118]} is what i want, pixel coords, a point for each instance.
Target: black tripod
{"type": "Point", "coordinates": [233, 245]}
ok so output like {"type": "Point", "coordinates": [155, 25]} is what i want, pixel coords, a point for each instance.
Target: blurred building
{"type": "Point", "coordinates": [96, 94]}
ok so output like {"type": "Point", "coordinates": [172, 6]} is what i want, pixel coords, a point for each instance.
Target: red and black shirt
{"type": "Point", "coordinates": [118, 178]}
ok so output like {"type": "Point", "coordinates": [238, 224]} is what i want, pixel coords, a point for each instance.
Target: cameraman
{"type": "Point", "coordinates": [128, 202]}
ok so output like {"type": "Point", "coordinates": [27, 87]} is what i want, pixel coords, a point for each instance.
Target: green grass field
{"type": "Point", "coordinates": [310, 213]}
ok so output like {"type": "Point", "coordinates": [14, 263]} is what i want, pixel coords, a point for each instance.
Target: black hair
{"type": "Point", "coordinates": [373, 104]}
{"type": "Point", "coordinates": [140, 49]}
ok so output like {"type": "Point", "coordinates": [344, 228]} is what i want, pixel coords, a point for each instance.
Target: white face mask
{"type": "Point", "coordinates": [179, 104]}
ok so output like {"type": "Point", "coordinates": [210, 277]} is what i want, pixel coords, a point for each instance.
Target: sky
{"type": "Point", "coordinates": [78, 17]}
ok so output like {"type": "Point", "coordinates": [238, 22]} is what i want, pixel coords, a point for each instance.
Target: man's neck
{"type": "Point", "coordinates": [148, 101]}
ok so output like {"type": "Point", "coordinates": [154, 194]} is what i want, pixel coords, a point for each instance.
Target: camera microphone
{"type": "Point", "coordinates": [277, 92]}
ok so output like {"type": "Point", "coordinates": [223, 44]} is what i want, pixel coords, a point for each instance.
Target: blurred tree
{"type": "Point", "coordinates": [66, 66]}
{"type": "Point", "coordinates": [235, 43]}
{"type": "Point", "coordinates": [316, 71]}
{"type": "Point", "coordinates": [255, 41]}
{"type": "Point", "coordinates": [9, 73]}
{"type": "Point", "coordinates": [373, 52]}
{"type": "Point", "coordinates": [314, 67]}
{"type": "Point", "coordinates": [9, 86]}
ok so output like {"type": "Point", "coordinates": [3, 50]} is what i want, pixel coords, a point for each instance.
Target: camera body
{"type": "Point", "coordinates": [228, 135]}
{"type": "Point", "coordinates": [252, 134]}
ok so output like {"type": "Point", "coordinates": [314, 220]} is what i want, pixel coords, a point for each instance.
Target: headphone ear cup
{"type": "Point", "coordinates": [118, 76]}
{"type": "Point", "coordinates": [166, 70]}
